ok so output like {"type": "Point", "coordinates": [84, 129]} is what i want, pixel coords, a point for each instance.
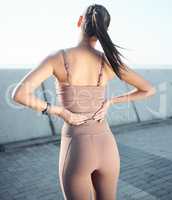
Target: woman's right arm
{"type": "Point", "coordinates": [23, 93]}
{"type": "Point", "coordinates": [142, 90]}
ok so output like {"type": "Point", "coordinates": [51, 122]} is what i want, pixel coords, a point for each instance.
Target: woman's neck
{"type": "Point", "coordinates": [88, 42]}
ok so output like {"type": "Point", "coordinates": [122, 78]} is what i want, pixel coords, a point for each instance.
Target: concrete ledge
{"type": "Point", "coordinates": [12, 146]}
{"type": "Point", "coordinates": [119, 129]}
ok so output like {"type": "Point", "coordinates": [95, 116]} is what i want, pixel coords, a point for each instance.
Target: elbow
{"type": "Point", "coordinates": [17, 96]}
{"type": "Point", "coordinates": [151, 91]}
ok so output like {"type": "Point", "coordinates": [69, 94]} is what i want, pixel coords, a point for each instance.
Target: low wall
{"type": "Point", "coordinates": [21, 123]}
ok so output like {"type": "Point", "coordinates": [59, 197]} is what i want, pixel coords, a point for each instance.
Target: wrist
{"type": "Point", "coordinates": [109, 102]}
{"type": "Point", "coordinates": [112, 100]}
{"type": "Point", "coordinates": [45, 111]}
{"type": "Point", "coordinates": [54, 110]}
{"type": "Point", "coordinates": [59, 110]}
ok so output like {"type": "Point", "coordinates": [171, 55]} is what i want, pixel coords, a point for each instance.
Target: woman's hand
{"type": "Point", "coordinates": [100, 114]}
{"type": "Point", "coordinates": [72, 118]}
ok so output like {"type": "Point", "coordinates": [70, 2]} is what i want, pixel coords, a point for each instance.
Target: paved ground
{"type": "Point", "coordinates": [146, 167]}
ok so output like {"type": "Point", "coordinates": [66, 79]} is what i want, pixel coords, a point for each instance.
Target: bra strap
{"type": "Point", "coordinates": [101, 69]}
{"type": "Point", "coordinates": [66, 64]}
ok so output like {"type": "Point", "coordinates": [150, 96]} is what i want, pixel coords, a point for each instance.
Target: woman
{"type": "Point", "coordinates": [89, 159]}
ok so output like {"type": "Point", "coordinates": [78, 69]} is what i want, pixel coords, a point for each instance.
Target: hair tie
{"type": "Point", "coordinates": [94, 11]}
{"type": "Point", "coordinates": [94, 16]}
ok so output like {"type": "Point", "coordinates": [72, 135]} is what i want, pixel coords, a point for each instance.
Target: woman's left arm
{"type": "Point", "coordinates": [23, 93]}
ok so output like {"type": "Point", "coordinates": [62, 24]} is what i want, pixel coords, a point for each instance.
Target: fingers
{"type": "Point", "coordinates": [78, 119]}
{"type": "Point", "coordinates": [81, 119]}
{"type": "Point", "coordinates": [99, 112]}
{"type": "Point", "coordinates": [78, 123]}
{"type": "Point", "coordinates": [81, 122]}
{"type": "Point", "coordinates": [99, 115]}
{"type": "Point", "coordinates": [102, 109]}
{"type": "Point", "coordinates": [100, 120]}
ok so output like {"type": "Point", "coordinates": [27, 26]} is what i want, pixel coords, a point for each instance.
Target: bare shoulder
{"type": "Point", "coordinates": [57, 61]}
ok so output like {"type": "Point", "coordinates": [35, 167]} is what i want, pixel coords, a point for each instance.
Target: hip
{"type": "Point", "coordinates": [91, 127]}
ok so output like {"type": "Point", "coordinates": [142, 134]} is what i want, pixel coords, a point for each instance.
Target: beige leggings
{"type": "Point", "coordinates": [89, 166]}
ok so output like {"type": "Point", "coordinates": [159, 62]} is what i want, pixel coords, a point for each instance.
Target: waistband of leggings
{"type": "Point", "coordinates": [91, 127]}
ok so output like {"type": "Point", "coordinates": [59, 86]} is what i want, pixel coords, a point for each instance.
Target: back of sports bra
{"type": "Point", "coordinates": [67, 66]}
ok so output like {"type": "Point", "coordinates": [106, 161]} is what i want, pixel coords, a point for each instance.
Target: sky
{"type": "Point", "coordinates": [31, 30]}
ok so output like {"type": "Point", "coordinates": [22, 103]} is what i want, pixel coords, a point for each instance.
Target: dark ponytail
{"type": "Point", "coordinates": [97, 20]}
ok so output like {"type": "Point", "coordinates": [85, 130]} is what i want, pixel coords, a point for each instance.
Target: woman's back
{"type": "Point", "coordinates": [84, 67]}
{"type": "Point", "coordinates": [87, 94]}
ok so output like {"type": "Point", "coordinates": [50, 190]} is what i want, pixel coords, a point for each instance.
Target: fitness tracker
{"type": "Point", "coordinates": [44, 112]}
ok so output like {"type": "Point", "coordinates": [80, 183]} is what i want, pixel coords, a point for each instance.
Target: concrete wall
{"type": "Point", "coordinates": [20, 123]}
{"type": "Point", "coordinates": [159, 105]}
{"type": "Point", "coordinates": [121, 113]}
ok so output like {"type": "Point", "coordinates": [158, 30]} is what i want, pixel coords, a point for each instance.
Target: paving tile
{"type": "Point", "coordinates": [146, 171]}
